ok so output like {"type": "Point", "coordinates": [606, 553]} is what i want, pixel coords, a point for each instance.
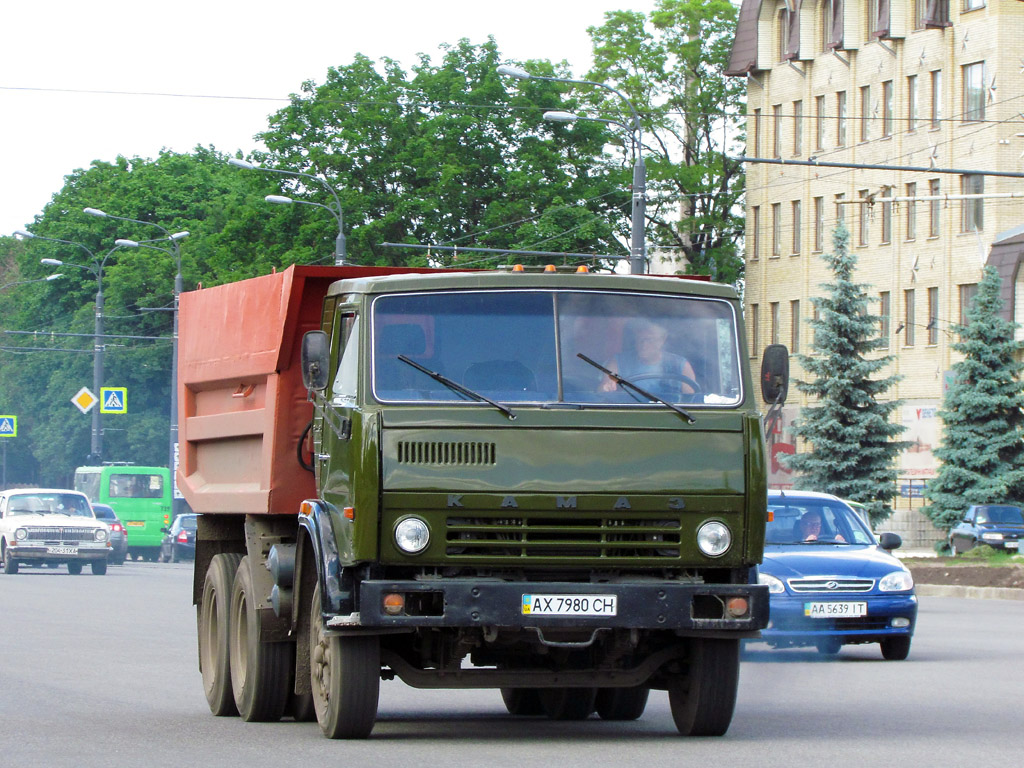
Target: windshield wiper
{"type": "Point", "coordinates": [627, 383]}
{"type": "Point", "coordinates": [456, 387]}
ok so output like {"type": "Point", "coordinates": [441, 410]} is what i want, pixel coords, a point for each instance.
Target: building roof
{"type": "Point", "coordinates": [743, 57]}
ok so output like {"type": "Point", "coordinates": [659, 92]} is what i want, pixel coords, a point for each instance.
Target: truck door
{"type": "Point", "coordinates": [333, 436]}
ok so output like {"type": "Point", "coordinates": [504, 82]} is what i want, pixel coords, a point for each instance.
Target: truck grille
{"type": "Point", "coordinates": [564, 538]}
{"type": "Point", "coordinates": [446, 453]}
{"type": "Point", "coordinates": [831, 586]}
{"type": "Point", "coordinates": [55, 533]}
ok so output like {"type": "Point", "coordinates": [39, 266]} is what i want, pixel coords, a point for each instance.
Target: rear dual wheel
{"type": "Point", "coordinates": [213, 620]}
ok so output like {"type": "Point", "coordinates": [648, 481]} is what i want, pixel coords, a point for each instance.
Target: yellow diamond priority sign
{"type": "Point", "coordinates": [84, 400]}
{"type": "Point", "coordinates": [114, 400]}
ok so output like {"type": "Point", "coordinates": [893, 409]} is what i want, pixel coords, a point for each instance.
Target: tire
{"type": "Point", "coordinates": [703, 701]}
{"type": "Point", "coordinates": [74, 568]}
{"type": "Point", "coordinates": [300, 707]}
{"type": "Point", "coordinates": [10, 564]}
{"type": "Point", "coordinates": [173, 557]}
{"type": "Point", "coordinates": [345, 677]}
{"type": "Point", "coordinates": [522, 702]}
{"type": "Point", "coordinates": [259, 671]}
{"type": "Point", "coordinates": [953, 552]}
{"type": "Point", "coordinates": [99, 567]}
{"type": "Point", "coordinates": [829, 646]}
{"type": "Point", "coordinates": [895, 648]}
{"type": "Point", "coordinates": [213, 623]}
{"type": "Point", "coordinates": [622, 703]}
{"type": "Point", "coordinates": [568, 703]}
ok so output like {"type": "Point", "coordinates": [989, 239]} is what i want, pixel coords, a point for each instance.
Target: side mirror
{"type": "Point", "coordinates": [890, 541]}
{"type": "Point", "coordinates": [775, 374]}
{"type": "Point", "coordinates": [316, 354]}
{"type": "Point", "coordinates": [165, 530]}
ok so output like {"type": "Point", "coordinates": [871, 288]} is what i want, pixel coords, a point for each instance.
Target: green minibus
{"type": "Point", "coordinates": [141, 498]}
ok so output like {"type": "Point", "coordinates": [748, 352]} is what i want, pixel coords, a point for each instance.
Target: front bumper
{"type": "Point", "coordinates": [54, 553]}
{"type": "Point", "coordinates": [790, 625]}
{"type": "Point", "coordinates": [687, 608]}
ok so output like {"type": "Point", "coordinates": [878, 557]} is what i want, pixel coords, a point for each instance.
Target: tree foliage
{"type": "Point", "coordinates": [982, 449]}
{"type": "Point", "coordinates": [672, 67]}
{"type": "Point", "coordinates": [852, 438]}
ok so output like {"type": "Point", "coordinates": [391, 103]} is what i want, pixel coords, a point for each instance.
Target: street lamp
{"type": "Point", "coordinates": [96, 268]}
{"type": "Point", "coordinates": [638, 249]}
{"type": "Point", "coordinates": [54, 276]}
{"type": "Point", "coordinates": [340, 247]}
{"type": "Point", "coordinates": [175, 253]}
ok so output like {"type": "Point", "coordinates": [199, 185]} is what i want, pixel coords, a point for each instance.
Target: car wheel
{"type": "Point", "coordinates": [10, 564]}
{"type": "Point", "coordinates": [99, 567]}
{"type": "Point", "coordinates": [895, 648]}
{"type": "Point", "coordinates": [829, 646]}
{"type": "Point", "coordinates": [74, 568]}
{"type": "Point", "coordinates": [214, 618]}
{"type": "Point", "coordinates": [174, 555]}
{"type": "Point", "coordinates": [952, 548]}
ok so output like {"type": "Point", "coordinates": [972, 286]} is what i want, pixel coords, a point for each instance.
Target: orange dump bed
{"type": "Point", "coordinates": [242, 407]}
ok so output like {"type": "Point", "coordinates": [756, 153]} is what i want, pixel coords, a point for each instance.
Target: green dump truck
{"type": "Point", "coordinates": [548, 484]}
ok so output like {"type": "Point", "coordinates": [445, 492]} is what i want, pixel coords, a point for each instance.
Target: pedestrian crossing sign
{"type": "Point", "coordinates": [114, 400]}
{"type": "Point", "coordinates": [8, 426]}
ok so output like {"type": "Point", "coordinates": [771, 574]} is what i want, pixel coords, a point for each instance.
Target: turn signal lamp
{"type": "Point", "coordinates": [737, 607]}
{"type": "Point", "coordinates": [349, 513]}
{"type": "Point", "coordinates": [394, 604]}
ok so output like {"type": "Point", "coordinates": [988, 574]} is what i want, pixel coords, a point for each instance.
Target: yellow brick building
{"type": "Point", "coordinates": [932, 84]}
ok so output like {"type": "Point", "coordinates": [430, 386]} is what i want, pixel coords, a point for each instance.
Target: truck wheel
{"type": "Point", "coordinates": [99, 567]}
{"type": "Point", "coordinates": [345, 676]}
{"type": "Point", "coordinates": [568, 703]}
{"type": "Point", "coordinates": [523, 702]}
{"type": "Point", "coordinates": [259, 671]}
{"type": "Point", "coordinates": [213, 620]}
{"type": "Point", "coordinates": [703, 701]}
{"type": "Point", "coordinates": [74, 568]}
{"type": "Point", "coordinates": [622, 703]}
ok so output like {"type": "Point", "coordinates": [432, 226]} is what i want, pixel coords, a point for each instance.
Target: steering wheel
{"type": "Point", "coordinates": [681, 378]}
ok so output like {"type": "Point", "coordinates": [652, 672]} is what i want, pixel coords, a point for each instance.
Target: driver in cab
{"type": "Point", "coordinates": [649, 365]}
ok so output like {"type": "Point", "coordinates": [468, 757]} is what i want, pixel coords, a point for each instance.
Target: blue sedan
{"type": "Point", "coordinates": [1001, 526]}
{"type": "Point", "coordinates": [831, 582]}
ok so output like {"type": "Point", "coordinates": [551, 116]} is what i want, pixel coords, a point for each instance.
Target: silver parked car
{"type": "Point", "coordinates": [49, 526]}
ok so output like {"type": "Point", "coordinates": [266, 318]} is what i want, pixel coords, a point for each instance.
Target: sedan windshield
{"type": "Point", "coordinates": [998, 514]}
{"type": "Point", "coordinates": [50, 504]}
{"type": "Point", "coordinates": [534, 346]}
{"type": "Point", "coordinates": [812, 521]}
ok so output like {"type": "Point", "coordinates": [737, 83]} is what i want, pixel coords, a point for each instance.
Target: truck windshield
{"type": "Point", "coordinates": [524, 346]}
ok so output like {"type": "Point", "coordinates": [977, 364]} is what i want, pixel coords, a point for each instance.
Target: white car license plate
{"type": "Point", "coordinates": [570, 605]}
{"type": "Point", "coordinates": [835, 610]}
{"type": "Point", "coordinates": [62, 550]}
{"type": "Point", "coordinates": [1011, 544]}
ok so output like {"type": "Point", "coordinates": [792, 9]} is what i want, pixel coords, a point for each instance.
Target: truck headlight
{"type": "Point", "coordinates": [714, 539]}
{"type": "Point", "coordinates": [897, 581]}
{"type": "Point", "coordinates": [412, 535]}
{"type": "Point", "coordinates": [101, 534]}
{"type": "Point", "coordinates": [21, 534]}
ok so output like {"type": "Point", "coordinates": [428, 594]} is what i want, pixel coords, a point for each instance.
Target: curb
{"type": "Point", "coordinates": [978, 593]}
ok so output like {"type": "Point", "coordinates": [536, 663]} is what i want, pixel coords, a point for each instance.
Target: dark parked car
{"type": "Point", "coordinates": [179, 540]}
{"type": "Point", "coordinates": [118, 535]}
{"type": "Point", "coordinates": [830, 581]}
{"type": "Point", "coordinates": [998, 525]}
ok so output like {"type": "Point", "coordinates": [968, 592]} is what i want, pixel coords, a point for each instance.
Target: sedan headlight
{"type": "Point", "coordinates": [412, 535]}
{"type": "Point", "coordinates": [21, 534]}
{"type": "Point", "coordinates": [897, 581]}
{"type": "Point", "coordinates": [775, 585]}
{"type": "Point", "coordinates": [714, 539]}
{"type": "Point", "coordinates": [100, 534]}
{"type": "Point", "coordinates": [992, 536]}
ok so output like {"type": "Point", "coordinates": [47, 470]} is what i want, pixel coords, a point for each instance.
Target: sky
{"type": "Point", "coordinates": [90, 81]}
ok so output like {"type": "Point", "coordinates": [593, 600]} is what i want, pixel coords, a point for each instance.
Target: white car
{"type": "Point", "coordinates": [49, 526]}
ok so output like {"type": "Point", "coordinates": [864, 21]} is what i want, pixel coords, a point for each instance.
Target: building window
{"type": "Point", "coordinates": [754, 323]}
{"type": "Point", "coordinates": [871, 20]}
{"type": "Point", "coordinates": [936, 99]}
{"type": "Point", "coordinates": [776, 229]}
{"type": "Point", "coordinates": [911, 212]}
{"type": "Point", "coordinates": [864, 230]}
{"type": "Point", "coordinates": [973, 5]}
{"type": "Point", "coordinates": [774, 319]}
{"type": "Point", "coordinates": [934, 208]}
{"type": "Point", "coordinates": [841, 119]}
{"type": "Point", "coordinates": [755, 233]}
{"type": "Point", "coordinates": [908, 314]}
{"type": "Point", "coordinates": [797, 227]}
{"type": "Point", "coordinates": [936, 13]}
{"type": "Point", "coordinates": [884, 318]}
{"type": "Point", "coordinates": [777, 130]}
{"type": "Point", "coordinates": [794, 331]}
{"type": "Point", "coordinates": [825, 33]}
{"type": "Point", "coordinates": [755, 142]}
{"type": "Point", "coordinates": [887, 217]}
{"type": "Point", "coordinates": [912, 103]}
{"type": "Point", "coordinates": [798, 128]}
{"type": "Point", "coordinates": [967, 293]}
{"type": "Point", "coordinates": [840, 208]}
{"type": "Point", "coordinates": [819, 122]}
{"type": "Point", "coordinates": [887, 108]}
{"type": "Point", "coordinates": [865, 113]}
{"type": "Point", "coordinates": [972, 212]}
{"type": "Point", "coordinates": [819, 224]}
{"type": "Point", "coordinates": [933, 316]}
{"type": "Point", "coordinates": [974, 92]}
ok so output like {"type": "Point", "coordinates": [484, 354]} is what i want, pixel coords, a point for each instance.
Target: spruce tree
{"type": "Point", "coordinates": [852, 439]}
{"type": "Point", "coordinates": [982, 446]}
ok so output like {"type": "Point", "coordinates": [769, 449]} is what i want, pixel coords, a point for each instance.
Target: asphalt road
{"type": "Point", "coordinates": [101, 671]}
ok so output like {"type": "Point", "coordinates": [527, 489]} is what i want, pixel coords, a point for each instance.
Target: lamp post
{"type": "Point", "coordinates": [175, 253]}
{"type": "Point", "coordinates": [96, 268]}
{"type": "Point", "coordinates": [638, 248]}
{"type": "Point", "coordinates": [340, 246]}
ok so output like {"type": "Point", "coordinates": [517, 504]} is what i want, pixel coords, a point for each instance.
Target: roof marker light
{"type": "Point", "coordinates": [549, 268]}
